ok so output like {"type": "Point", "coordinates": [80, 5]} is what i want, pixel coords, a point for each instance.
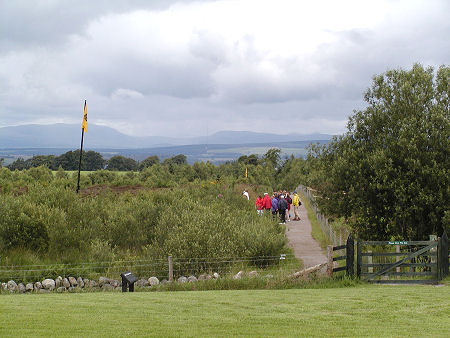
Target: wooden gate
{"type": "Point", "coordinates": [402, 261]}
{"type": "Point", "coordinates": [349, 257]}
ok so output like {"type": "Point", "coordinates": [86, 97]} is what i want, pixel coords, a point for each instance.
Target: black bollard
{"type": "Point", "coordinates": [128, 279]}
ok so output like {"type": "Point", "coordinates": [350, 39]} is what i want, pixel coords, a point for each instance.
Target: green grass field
{"type": "Point", "coordinates": [366, 310]}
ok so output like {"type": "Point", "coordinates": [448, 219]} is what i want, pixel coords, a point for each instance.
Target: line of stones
{"type": "Point", "coordinates": [70, 284]}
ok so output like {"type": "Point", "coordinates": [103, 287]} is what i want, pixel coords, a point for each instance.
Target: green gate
{"type": "Point", "coordinates": [403, 261]}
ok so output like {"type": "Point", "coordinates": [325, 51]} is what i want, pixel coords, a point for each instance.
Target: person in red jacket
{"type": "Point", "coordinates": [259, 204]}
{"type": "Point", "coordinates": [267, 202]}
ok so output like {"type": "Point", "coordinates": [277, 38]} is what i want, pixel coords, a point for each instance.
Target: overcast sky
{"type": "Point", "coordinates": [186, 68]}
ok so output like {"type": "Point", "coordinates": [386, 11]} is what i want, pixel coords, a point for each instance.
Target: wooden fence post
{"type": "Point", "coordinates": [370, 261]}
{"type": "Point", "coordinates": [170, 269]}
{"type": "Point", "coordinates": [439, 259]}
{"type": "Point", "coordinates": [443, 263]}
{"type": "Point", "coordinates": [331, 231]}
{"type": "Point", "coordinates": [329, 260]}
{"type": "Point", "coordinates": [445, 250]}
{"type": "Point", "coordinates": [397, 250]}
{"type": "Point", "coordinates": [358, 258]}
{"type": "Point", "coordinates": [350, 254]}
{"type": "Point", "coordinates": [434, 259]}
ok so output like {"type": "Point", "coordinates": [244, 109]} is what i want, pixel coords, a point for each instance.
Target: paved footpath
{"type": "Point", "coordinates": [300, 239]}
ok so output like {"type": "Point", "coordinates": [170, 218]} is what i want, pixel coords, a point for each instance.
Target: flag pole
{"type": "Point", "coordinates": [79, 164]}
{"type": "Point", "coordinates": [83, 127]}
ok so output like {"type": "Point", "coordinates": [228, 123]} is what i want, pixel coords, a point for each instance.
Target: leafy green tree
{"type": "Point", "coordinates": [148, 162]}
{"type": "Point", "coordinates": [273, 156]}
{"type": "Point", "coordinates": [93, 161]}
{"type": "Point", "coordinates": [390, 173]}
{"type": "Point", "coordinates": [250, 159]}
{"type": "Point", "coordinates": [18, 164]}
{"type": "Point", "coordinates": [177, 160]}
{"type": "Point", "coordinates": [41, 160]}
{"type": "Point", "coordinates": [172, 162]}
{"type": "Point", "coordinates": [294, 171]}
{"type": "Point", "coordinates": [69, 160]}
{"type": "Point", "coordinates": [121, 163]}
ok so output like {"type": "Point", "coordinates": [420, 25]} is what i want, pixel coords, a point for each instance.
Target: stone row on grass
{"type": "Point", "coordinates": [72, 284]}
{"type": "Point", "coordinates": [61, 284]}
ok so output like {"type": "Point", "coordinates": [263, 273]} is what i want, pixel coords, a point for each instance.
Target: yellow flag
{"type": "Point", "coordinates": [84, 124]}
{"type": "Point", "coordinates": [246, 172]}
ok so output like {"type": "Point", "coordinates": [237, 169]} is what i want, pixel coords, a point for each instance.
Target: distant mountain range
{"type": "Point", "coordinates": [68, 136]}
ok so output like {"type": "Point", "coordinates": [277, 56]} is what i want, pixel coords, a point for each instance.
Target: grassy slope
{"type": "Point", "coordinates": [367, 310]}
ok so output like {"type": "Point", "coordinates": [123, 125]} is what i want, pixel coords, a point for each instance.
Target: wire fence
{"type": "Point", "coordinates": [335, 237]}
{"type": "Point", "coordinates": [159, 268]}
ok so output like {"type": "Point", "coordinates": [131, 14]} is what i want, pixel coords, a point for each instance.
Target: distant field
{"type": "Point", "coordinates": [367, 310]}
{"type": "Point", "coordinates": [297, 152]}
{"type": "Point", "coordinates": [216, 153]}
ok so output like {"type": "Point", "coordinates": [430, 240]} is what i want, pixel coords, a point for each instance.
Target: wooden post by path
{"type": "Point", "coordinates": [397, 250]}
{"type": "Point", "coordinates": [329, 260]}
{"type": "Point", "coordinates": [170, 269]}
{"type": "Point", "coordinates": [331, 232]}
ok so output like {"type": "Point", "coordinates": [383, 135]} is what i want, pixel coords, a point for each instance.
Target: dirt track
{"type": "Point", "coordinates": [300, 239]}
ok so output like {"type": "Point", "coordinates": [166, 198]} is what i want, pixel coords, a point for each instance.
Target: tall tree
{"type": "Point", "coordinates": [250, 159]}
{"type": "Point", "coordinates": [42, 160]}
{"type": "Point", "coordinates": [19, 164]}
{"type": "Point", "coordinates": [176, 160]}
{"type": "Point", "coordinates": [93, 161]}
{"type": "Point", "coordinates": [148, 162]}
{"type": "Point", "coordinates": [121, 163]}
{"type": "Point", "coordinates": [390, 173]}
{"type": "Point", "coordinates": [273, 156]}
{"type": "Point", "coordinates": [68, 160]}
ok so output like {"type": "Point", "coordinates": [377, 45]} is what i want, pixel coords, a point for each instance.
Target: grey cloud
{"type": "Point", "coordinates": [41, 22]}
{"type": "Point", "coordinates": [207, 83]}
{"type": "Point", "coordinates": [149, 78]}
{"type": "Point", "coordinates": [209, 47]}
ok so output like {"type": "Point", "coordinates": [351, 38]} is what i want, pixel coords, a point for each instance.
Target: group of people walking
{"type": "Point", "coordinates": [279, 204]}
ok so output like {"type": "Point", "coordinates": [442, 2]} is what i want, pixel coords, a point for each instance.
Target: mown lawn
{"type": "Point", "coordinates": [367, 310]}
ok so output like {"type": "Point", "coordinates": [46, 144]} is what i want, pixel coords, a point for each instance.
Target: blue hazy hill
{"type": "Point", "coordinates": [68, 136]}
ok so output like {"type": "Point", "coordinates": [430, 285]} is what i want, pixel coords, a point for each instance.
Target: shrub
{"type": "Point", "coordinates": [23, 224]}
{"type": "Point", "coordinates": [188, 221]}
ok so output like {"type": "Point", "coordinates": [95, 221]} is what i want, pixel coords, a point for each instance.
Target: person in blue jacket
{"type": "Point", "coordinates": [274, 206]}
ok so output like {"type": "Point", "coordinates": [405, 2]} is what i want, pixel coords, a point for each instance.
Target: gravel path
{"type": "Point", "coordinates": [300, 239]}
